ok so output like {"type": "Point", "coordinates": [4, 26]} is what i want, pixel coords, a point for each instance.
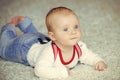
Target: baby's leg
{"type": "Point", "coordinates": [8, 32]}
{"type": "Point", "coordinates": [26, 26]}
{"type": "Point", "coordinates": [11, 45]}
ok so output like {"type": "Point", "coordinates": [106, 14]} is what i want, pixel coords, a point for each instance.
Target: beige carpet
{"type": "Point", "coordinates": [100, 25]}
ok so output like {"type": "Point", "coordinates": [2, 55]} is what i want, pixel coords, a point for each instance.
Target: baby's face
{"type": "Point", "coordinates": [66, 29]}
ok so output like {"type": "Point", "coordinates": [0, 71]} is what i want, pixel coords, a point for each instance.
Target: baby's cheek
{"type": "Point", "coordinates": [79, 37]}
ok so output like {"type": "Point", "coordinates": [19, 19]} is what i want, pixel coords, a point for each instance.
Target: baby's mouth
{"type": "Point", "coordinates": [73, 38]}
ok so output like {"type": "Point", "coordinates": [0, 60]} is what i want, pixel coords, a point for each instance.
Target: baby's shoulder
{"type": "Point", "coordinates": [47, 48]}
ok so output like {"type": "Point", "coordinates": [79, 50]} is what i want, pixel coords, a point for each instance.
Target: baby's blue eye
{"type": "Point", "coordinates": [66, 29]}
{"type": "Point", "coordinates": [76, 27]}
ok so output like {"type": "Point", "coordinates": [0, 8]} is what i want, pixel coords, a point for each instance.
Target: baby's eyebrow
{"type": "Point", "coordinates": [66, 25]}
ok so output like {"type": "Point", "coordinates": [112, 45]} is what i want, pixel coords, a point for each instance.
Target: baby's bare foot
{"type": "Point", "coordinates": [15, 20]}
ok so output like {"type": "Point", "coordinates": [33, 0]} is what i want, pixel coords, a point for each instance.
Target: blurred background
{"type": "Point", "coordinates": [100, 26]}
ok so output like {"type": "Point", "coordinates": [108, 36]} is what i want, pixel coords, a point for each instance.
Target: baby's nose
{"type": "Point", "coordinates": [73, 31]}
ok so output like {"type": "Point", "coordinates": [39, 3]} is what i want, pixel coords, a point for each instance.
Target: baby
{"type": "Point", "coordinates": [50, 59]}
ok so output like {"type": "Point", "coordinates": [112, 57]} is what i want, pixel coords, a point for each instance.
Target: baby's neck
{"type": "Point", "coordinates": [66, 49]}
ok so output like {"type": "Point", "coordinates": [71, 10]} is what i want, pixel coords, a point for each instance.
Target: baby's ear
{"type": "Point", "coordinates": [51, 35]}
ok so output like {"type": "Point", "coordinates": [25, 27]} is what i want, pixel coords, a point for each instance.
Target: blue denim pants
{"type": "Point", "coordinates": [15, 48]}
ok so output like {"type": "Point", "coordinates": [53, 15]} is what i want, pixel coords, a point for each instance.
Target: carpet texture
{"type": "Point", "coordinates": [100, 26]}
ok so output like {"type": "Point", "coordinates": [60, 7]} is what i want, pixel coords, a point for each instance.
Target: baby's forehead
{"type": "Point", "coordinates": [61, 14]}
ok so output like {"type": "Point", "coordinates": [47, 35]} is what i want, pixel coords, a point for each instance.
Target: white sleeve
{"type": "Point", "coordinates": [45, 67]}
{"type": "Point", "coordinates": [88, 57]}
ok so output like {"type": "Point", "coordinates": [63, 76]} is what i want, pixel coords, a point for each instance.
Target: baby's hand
{"type": "Point", "coordinates": [100, 66]}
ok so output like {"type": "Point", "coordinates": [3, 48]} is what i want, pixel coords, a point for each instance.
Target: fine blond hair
{"type": "Point", "coordinates": [57, 10]}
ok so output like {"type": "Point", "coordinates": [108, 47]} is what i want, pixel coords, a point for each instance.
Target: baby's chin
{"type": "Point", "coordinates": [74, 43]}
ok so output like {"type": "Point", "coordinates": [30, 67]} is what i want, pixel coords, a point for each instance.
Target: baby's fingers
{"type": "Point", "coordinates": [100, 67]}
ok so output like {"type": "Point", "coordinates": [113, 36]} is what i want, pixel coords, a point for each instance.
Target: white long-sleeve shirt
{"type": "Point", "coordinates": [42, 58]}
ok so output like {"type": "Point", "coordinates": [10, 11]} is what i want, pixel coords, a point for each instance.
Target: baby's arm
{"type": "Point", "coordinates": [88, 57]}
{"type": "Point", "coordinates": [45, 68]}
